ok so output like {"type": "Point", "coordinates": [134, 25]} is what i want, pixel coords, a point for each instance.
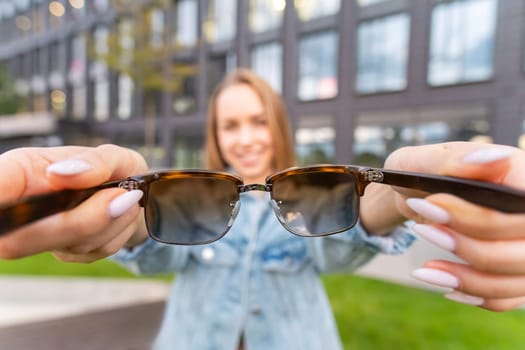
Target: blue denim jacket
{"type": "Point", "coordinates": [259, 281]}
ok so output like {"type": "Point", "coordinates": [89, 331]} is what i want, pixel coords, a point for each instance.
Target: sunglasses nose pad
{"type": "Point", "coordinates": [236, 207]}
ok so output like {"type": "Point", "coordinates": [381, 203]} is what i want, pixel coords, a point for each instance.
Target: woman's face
{"type": "Point", "coordinates": [243, 133]}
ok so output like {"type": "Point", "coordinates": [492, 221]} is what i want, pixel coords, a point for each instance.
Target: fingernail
{"type": "Point", "coordinates": [464, 298]}
{"type": "Point", "coordinates": [69, 167]}
{"type": "Point", "coordinates": [436, 277]}
{"type": "Point", "coordinates": [428, 210]}
{"type": "Point", "coordinates": [487, 155]}
{"type": "Point", "coordinates": [435, 236]}
{"type": "Point", "coordinates": [123, 203]}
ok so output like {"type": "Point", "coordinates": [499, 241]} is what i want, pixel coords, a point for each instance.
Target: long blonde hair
{"type": "Point", "coordinates": [273, 107]}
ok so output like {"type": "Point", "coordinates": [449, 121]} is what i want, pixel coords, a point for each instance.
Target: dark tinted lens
{"type": "Point", "coordinates": [193, 210]}
{"type": "Point", "coordinates": [316, 203]}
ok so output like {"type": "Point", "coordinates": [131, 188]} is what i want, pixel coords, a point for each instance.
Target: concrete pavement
{"type": "Point", "coordinates": [26, 299]}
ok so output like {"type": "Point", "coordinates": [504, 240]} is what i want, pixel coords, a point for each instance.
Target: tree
{"type": "Point", "coordinates": [10, 101]}
{"type": "Point", "coordinates": [139, 47]}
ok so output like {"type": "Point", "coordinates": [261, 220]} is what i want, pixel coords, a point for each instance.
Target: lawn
{"type": "Point", "coordinates": [372, 315]}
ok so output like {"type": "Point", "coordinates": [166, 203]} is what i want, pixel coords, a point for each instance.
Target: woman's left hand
{"type": "Point", "coordinates": [491, 243]}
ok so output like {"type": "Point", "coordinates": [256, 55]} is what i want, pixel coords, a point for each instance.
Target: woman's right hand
{"type": "Point", "coordinates": [95, 229]}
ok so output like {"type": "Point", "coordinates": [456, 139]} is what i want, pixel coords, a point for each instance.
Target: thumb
{"type": "Point", "coordinates": [92, 166]}
{"type": "Point", "coordinates": [483, 162]}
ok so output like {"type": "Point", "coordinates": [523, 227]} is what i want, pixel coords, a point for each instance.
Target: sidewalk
{"type": "Point", "coordinates": [32, 299]}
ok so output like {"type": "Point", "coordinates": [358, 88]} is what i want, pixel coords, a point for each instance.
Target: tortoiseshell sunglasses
{"type": "Point", "coordinates": [190, 207]}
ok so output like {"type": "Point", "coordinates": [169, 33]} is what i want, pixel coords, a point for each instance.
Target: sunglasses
{"type": "Point", "coordinates": [189, 207]}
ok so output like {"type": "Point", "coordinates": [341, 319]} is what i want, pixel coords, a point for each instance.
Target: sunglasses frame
{"type": "Point", "coordinates": [505, 199]}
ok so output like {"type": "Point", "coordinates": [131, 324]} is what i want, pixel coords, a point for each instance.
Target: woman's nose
{"type": "Point", "coordinates": [246, 135]}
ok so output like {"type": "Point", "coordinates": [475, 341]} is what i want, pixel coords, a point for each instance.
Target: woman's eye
{"type": "Point", "coordinates": [228, 126]}
{"type": "Point", "coordinates": [261, 121]}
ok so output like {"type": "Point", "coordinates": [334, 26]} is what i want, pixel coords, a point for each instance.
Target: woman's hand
{"type": "Point", "coordinates": [93, 230]}
{"type": "Point", "coordinates": [491, 243]}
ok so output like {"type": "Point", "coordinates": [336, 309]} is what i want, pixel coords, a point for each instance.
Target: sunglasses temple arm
{"type": "Point", "coordinates": [31, 209]}
{"type": "Point", "coordinates": [486, 194]}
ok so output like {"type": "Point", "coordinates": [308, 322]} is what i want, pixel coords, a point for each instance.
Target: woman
{"type": "Point", "coordinates": [258, 286]}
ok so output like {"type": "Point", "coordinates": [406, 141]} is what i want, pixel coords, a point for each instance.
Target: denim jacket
{"type": "Point", "coordinates": [259, 282]}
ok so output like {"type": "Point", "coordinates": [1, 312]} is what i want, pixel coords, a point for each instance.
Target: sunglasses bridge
{"type": "Point", "coordinates": [255, 187]}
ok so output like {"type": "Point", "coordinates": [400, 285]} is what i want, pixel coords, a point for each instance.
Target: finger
{"type": "Point", "coordinates": [66, 229]}
{"type": "Point", "coordinates": [109, 248]}
{"type": "Point", "coordinates": [470, 281]}
{"type": "Point", "coordinates": [503, 304]}
{"type": "Point", "coordinates": [462, 159]}
{"type": "Point", "coordinates": [128, 221]}
{"type": "Point", "coordinates": [25, 170]}
{"type": "Point", "coordinates": [476, 221]}
{"type": "Point", "coordinates": [501, 257]}
{"type": "Point", "coordinates": [94, 166]}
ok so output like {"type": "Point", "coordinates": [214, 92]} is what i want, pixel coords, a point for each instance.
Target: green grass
{"type": "Point", "coordinates": [371, 314]}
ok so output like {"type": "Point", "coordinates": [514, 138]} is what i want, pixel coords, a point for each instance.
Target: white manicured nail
{"type": "Point", "coordinates": [428, 210]}
{"type": "Point", "coordinates": [435, 236]}
{"type": "Point", "coordinates": [437, 277]}
{"type": "Point", "coordinates": [124, 202]}
{"type": "Point", "coordinates": [465, 298]}
{"type": "Point", "coordinates": [69, 167]}
{"type": "Point", "coordinates": [487, 155]}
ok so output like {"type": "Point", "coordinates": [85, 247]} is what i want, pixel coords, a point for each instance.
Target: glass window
{"type": "Point", "coordinates": [78, 7]}
{"type": "Point", "coordinates": [77, 65]}
{"type": "Point", "coordinates": [125, 97]}
{"type": "Point", "coordinates": [221, 20]}
{"type": "Point", "coordinates": [57, 10]}
{"type": "Point", "coordinates": [79, 101]}
{"type": "Point", "coordinates": [369, 2]}
{"type": "Point", "coordinates": [267, 61]}
{"type": "Point", "coordinates": [379, 134]}
{"type": "Point", "coordinates": [382, 54]}
{"type": "Point", "coordinates": [461, 49]}
{"type": "Point", "coordinates": [311, 9]}
{"type": "Point", "coordinates": [156, 27]}
{"type": "Point", "coordinates": [101, 98]}
{"type": "Point", "coordinates": [266, 14]}
{"type": "Point", "coordinates": [185, 96]}
{"type": "Point", "coordinates": [186, 22]}
{"type": "Point", "coordinates": [101, 5]}
{"type": "Point", "coordinates": [218, 66]}
{"type": "Point", "coordinates": [188, 152]}
{"type": "Point", "coordinates": [315, 140]}
{"type": "Point", "coordinates": [318, 66]}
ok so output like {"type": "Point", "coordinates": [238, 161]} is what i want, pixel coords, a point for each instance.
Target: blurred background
{"type": "Point", "coordinates": [360, 78]}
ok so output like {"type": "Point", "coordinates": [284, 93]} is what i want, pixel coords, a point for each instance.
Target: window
{"type": "Point", "coordinates": [461, 49]}
{"type": "Point", "coordinates": [101, 5]}
{"type": "Point", "coordinates": [185, 96]}
{"type": "Point", "coordinates": [221, 20]}
{"type": "Point", "coordinates": [369, 2]}
{"type": "Point", "coordinates": [315, 140]}
{"type": "Point", "coordinates": [77, 65]}
{"type": "Point", "coordinates": [318, 66]}
{"type": "Point", "coordinates": [125, 97]}
{"type": "Point", "coordinates": [382, 54]}
{"type": "Point", "coordinates": [156, 20]}
{"type": "Point", "coordinates": [101, 98]}
{"type": "Point", "coordinates": [218, 66]}
{"type": "Point", "coordinates": [266, 14]}
{"type": "Point", "coordinates": [188, 151]}
{"type": "Point", "coordinates": [379, 133]}
{"type": "Point", "coordinates": [186, 22]}
{"type": "Point", "coordinates": [311, 9]}
{"type": "Point", "coordinates": [267, 61]}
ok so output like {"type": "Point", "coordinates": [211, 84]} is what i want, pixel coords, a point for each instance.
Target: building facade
{"type": "Point", "coordinates": [359, 77]}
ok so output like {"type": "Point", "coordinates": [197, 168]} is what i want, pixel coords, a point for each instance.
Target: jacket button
{"type": "Point", "coordinates": [208, 253]}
